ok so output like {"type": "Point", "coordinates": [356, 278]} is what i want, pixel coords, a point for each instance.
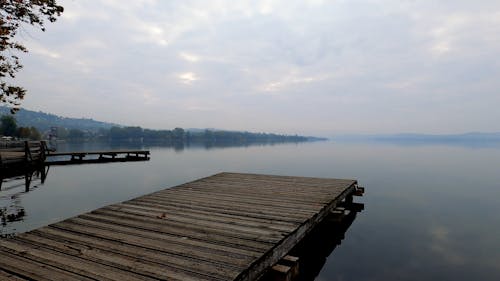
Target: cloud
{"type": "Point", "coordinates": [187, 77]}
{"type": "Point", "coordinates": [404, 62]}
{"type": "Point", "coordinates": [441, 244]}
{"type": "Point", "coordinates": [189, 57]}
{"type": "Point", "coordinates": [40, 50]}
{"type": "Point", "coordinates": [292, 80]}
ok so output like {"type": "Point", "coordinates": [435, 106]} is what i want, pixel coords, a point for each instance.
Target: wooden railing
{"type": "Point", "coordinates": [11, 144]}
{"type": "Point", "coordinates": [22, 152]}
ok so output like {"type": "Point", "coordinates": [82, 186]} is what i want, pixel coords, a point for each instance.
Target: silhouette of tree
{"type": "Point", "coordinates": [13, 14]}
{"type": "Point", "coordinates": [8, 125]}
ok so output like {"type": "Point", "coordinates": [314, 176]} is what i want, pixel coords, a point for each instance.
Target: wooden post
{"type": "Point", "coordinates": [287, 269]}
{"type": "Point", "coordinates": [27, 181]}
{"type": "Point", "coordinates": [293, 263]}
{"type": "Point", "coordinates": [44, 173]}
{"type": "Point", "coordinates": [43, 151]}
{"type": "Point", "coordinates": [26, 152]}
{"type": "Point", "coordinates": [336, 215]}
{"type": "Point", "coordinates": [349, 198]}
{"type": "Point", "coordinates": [280, 272]}
{"type": "Point", "coordinates": [359, 191]}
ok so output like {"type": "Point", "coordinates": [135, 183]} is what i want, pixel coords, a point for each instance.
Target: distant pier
{"type": "Point", "coordinates": [67, 158]}
{"type": "Point", "coordinates": [229, 226]}
{"type": "Point", "coordinates": [22, 154]}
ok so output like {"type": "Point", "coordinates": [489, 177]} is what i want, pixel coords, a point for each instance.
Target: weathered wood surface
{"type": "Point", "coordinates": [114, 152]}
{"type": "Point", "coordinates": [68, 158]}
{"type": "Point", "coordinates": [22, 153]}
{"type": "Point", "coordinates": [11, 155]}
{"type": "Point", "coordinates": [225, 227]}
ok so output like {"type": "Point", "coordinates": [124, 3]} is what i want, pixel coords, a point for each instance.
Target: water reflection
{"type": "Point", "coordinates": [422, 142]}
{"type": "Point", "coordinates": [176, 146]}
{"type": "Point", "coordinates": [13, 183]}
{"type": "Point", "coordinates": [317, 246]}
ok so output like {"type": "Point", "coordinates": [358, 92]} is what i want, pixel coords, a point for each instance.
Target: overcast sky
{"type": "Point", "coordinates": [306, 67]}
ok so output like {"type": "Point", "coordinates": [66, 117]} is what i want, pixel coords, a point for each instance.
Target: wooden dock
{"type": "Point", "coordinates": [68, 158]}
{"type": "Point", "coordinates": [24, 154]}
{"type": "Point", "coordinates": [225, 227]}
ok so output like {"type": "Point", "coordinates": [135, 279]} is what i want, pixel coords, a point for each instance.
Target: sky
{"type": "Point", "coordinates": [296, 67]}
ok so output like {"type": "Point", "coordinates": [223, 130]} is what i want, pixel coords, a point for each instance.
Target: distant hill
{"type": "Point", "coordinates": [43, 121]}
{"type": "Point", "coordinates": [89, 127]}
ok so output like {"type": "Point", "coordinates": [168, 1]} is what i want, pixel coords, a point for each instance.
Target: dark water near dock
{"type": "Point", "coordinates": [431, 210]}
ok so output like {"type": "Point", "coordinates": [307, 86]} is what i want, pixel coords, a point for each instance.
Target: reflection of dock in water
{"type": "Point", "coordinates": [306, 259]}
{"type": "Point", "coordinates": [28, 174]}
{"type": "Point", "coordinates": [23, 162]}
{"type": "Point", "coordinates": [13, 183]}
{"type": "Point", "coordinates": [224, 227]}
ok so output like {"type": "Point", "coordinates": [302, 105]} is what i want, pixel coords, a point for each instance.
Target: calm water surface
{"type": "Point", "coordinates": [431, 211]}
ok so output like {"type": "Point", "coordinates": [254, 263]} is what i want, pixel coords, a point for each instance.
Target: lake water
{"type": "Point", "coordinates": [431, 210]}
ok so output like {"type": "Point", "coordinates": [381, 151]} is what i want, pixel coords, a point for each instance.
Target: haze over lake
{"type": "Point", "coordinates": [430, 209]}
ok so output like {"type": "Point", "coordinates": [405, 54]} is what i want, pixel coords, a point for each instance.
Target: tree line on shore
{"type": "Point", "coordinates": [179, 135]}
{"type": "Point", "coordinates": [8, 127]}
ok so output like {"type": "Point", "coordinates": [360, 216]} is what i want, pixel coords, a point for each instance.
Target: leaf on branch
{"type": "Point", "coordinates": [14, 13]}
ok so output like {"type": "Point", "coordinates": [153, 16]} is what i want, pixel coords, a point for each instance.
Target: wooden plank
{"type": "Point", "coordinates": [141, 223]}
{"type": "Point", "coordinates": [66, 262]}
{"type": "Point", "coordinates": [155, 256]}
{"type": "Point", "coordinates": [231, 227]}
{"type": "Point", "coordinates": [124, 263]}
{"type": "Point", "coordinates": [181, 229]}
{"type": "Point", "coordinates": [180, 215]}
{"type": "Point", "coordinates": [312, 193]}
{"type": "Point", "coordinates": [241, 218]}
{"type": "Point", "coordinates": [29, 269]}
{"type": "Point", "coordinates": [239, 212]}
{"type": "Point", "coordinates": [157, 240]}
{"type": "Point", "coordinates": [292, 185]}
{"type": "Point", "coordinates": [234, 205]}
{"type": "Point", "coordinates": [269, 186]}
{"type": "Point", "coordinates": [250, 194]}
{"type": "Point", "coordinates": [247, 207]}
{"type": "Point", "coordinates": [4, 275]}
{"type": "Point", "coordinates": [225, 197]}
